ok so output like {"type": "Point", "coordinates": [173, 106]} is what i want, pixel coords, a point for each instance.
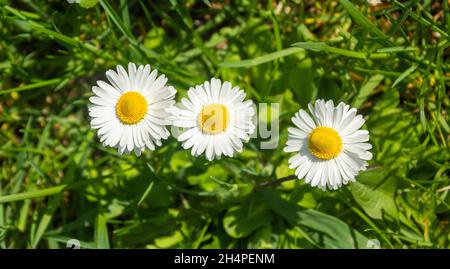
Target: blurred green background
{"type": "Point", "coordinates": [390, 60]}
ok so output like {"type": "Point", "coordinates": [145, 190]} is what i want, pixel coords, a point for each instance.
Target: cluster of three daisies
{"type": "Point", "coordinates": [132, 112]}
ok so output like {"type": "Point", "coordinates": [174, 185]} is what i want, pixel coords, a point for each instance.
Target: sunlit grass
{"type": "Point", "coordinates": [57, 181]}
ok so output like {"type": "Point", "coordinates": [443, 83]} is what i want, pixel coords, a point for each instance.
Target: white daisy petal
{"type": "Point", "coordinates": [329, 111]}
{"type": "Point", "coordinates": [303, 169]}
{"type": "Point", "coordinates": [300, 123]}
{"type": "Point", "coordinates": [358, 136]}
{"type": "Point", "coordinates": [132, 76]}
{"type": "Point", "coordinates": [124, 77]}
{"type": "Point", "coordinates": [317, 175]}
{"type": "Point", "coordinates": [193, 139]}
{"type": "Point", "coordinates": [307, 119]}
{"type": "Point", "coordinates": [115, 80]}
{"type": "Point", "coordinates": [354, 125]}
{"type": "Point", "coordinates": [110, 89]}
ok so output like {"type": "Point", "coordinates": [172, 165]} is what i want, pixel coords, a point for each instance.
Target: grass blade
{"type": "Point", "coordinates": [101, 232]}
{"type": "Point", "coordinates": [36, 85]}
{"type": "Point", "coordinates": [364, 22]}
{"type": "Point", "coordinates": [262, 59]}
{"type": "Point", "coordinates": [32, 194]}
{"type": "Point", "coordinates": [321, 46]}
{"type": "Point", "coordinates": [404, 75]}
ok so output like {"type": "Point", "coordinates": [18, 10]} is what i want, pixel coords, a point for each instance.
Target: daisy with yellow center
{"type": "Point", "coordinates": [130, 111]}
{"type": "Point", "coordinates": [215, 118]}
{"type": "Point", "coordinates": [330, 147]}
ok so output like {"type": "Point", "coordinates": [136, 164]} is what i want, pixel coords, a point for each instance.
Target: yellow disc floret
{"type": "Point", "coordinates": [131, 108]}
{"type": "Point", "coordinates": [324, 143]}
{"type": "Point", "coordinates": [213, 118]}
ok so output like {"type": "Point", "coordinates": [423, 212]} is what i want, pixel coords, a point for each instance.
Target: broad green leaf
{"type": "Point", "coordinates": [286, 101]}
{"type": "Point", "coordinates": [263, 238]}
{"type": "Point", "coordinates": [327, 231]}
{"type": "Point", "coordinates": [283, 171]}
{"type": "Point", "coordinates": [170, 240]}
{"type": "Point", "coordinates": [156, 38]}
{"type": "Point", "coordinates": [300, 76]}
{"type": "Point", "coordinates": [367, 89]}
{"type": "Point", "coordinates": [242, 220]}
{"type": "Point", "coordinates": [88, 3]}
{"type": "Point", "coordinates": [374, 192]}
{"type": "Point", "coordinates": [306, 196]}
{"type": "Point", "coordinates": [328, 88]}
{"type": "Point", "coordinates": [204, 179]}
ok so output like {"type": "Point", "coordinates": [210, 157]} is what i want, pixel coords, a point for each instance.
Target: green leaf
{"type": "Point", "coordinates": [264, 238]}
{"type": "Point", "coordinates": [261, 59]}
{"type": "Point", "coordinates": [300, 76]}
{"type": "Point", "coordinates": [101, 232]}
{"type": "Point", "coordinates": [242, 220]}
{"type": "Point", "coordinates": [169, 240]}
{"type": "Point", "coordinates": [367, 89]}
{"type": "Point", "coordinates": [374, 192]}
{"type": "Point", "coordinates": [327, 231]}
{"type": "Point", "coordinates": [205, 181]}
{"type": "Point", "coordinates": [88, 3]}
{"type": "Point", "coordinates": [328, 88]}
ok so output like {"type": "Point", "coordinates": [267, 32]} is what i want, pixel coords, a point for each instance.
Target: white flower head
{"type": "Point", "coordinates": [330, 147]}
{"type": "Point", "coordinates": [73, 1]}
{"type": "Point", "coordinates": [215, 118]}
{"type": "Point", "coordinates": [130, 111]}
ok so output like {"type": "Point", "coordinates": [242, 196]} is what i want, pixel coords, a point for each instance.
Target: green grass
{"type": "Point", "coordinates": [58, 182]}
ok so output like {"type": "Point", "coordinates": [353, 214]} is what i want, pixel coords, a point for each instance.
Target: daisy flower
{"type": "Point", "coordinates": [216, 119]}
{"type": "Point", "coordinates": [330, 147]}
{"type": "Point", "coordinates": [130, 111]}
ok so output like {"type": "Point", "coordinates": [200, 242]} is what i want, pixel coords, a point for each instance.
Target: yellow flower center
{"type": "Point", "coordinates": [324, 143]}
{"type": "Point", "coordinates": [214, 118]}
{"type": "Point", "coordinates": [131, 108]}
